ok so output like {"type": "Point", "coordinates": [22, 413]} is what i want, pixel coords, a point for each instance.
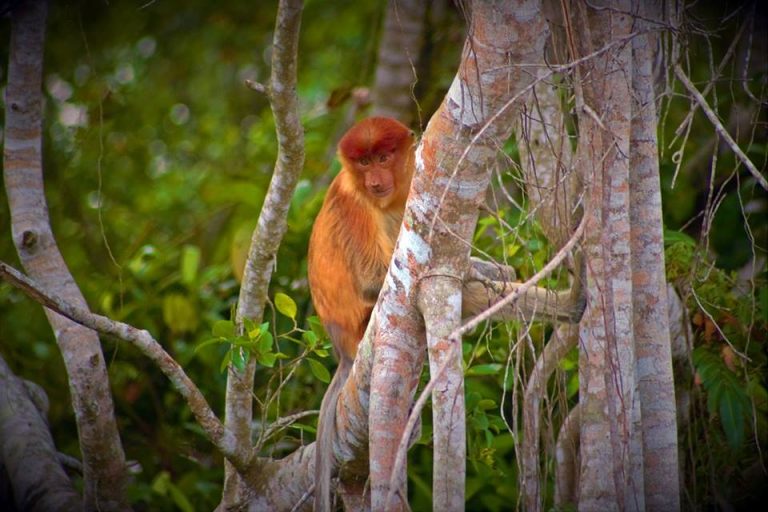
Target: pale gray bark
{"type": "Point", "coordinates": [452, 175]}
{"type": "Point", "coordinates": [272, 223]}
{"type": "Point", "coordinates": [651, 313]}
{"type": "Point", "coordinates": [103, 456]}
{"type": "Point", "coordinates": [611, 472]}
{"type": "Point", "coordinates": [559, 344]}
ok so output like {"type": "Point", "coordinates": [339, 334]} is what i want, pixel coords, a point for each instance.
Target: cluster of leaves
{"type": "Point", "coordinates": [726, 368]}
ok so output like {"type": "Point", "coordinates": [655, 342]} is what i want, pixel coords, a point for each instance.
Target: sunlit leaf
{"type": "Point", "coordinates": [190, 264]}
{"type": "Point", "coordinates": [285, 305]}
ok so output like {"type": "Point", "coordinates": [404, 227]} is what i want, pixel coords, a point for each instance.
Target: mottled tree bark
{"type": "Point", "coordinates": [650, 309]}
{"type": "Point", "coordinates": [628, 438]}
{"type": "Point", "coordinates": [611, 463]}
{"type": "Point", "coordinates": [103, 456]}
{"type": "Point", "coordinates": [453, 171]}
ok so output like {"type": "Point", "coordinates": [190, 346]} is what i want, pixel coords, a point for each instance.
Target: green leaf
{"type": "Point", "coordinates": [268, 360]}
{"type": "Point", "coordinates": [180, 313]}
{"type": "Point", "coordinates": [225, 361]}
{"type": "Point", "coordinates": [486, 404]}
{"type": "Point", "coordinates": [249, 325]}
{"type": "Point", "coordinates": [732, 415]}
{"type": "Point", "coordinates": [317, 327]}
{"type": "Point", "coordinates": [179, 498]}
{"type": "Point", "coordinates": [239, 358]}
{"type": "Point", "coordinates": [243, 341]}
{"type": "Point", "coordinates": [573, 385]}
{"type": "Point", "coordinates": [190, 263]}
{"type": "Point", "coordinates": [488, 438]}
{"type": "Point", "coordinates": [160, 483]}
{"type": "Point", "coordinates": [319, 371]}
{"type": "Point", "coordinates": [485, 369]}
{"type": "Point", "coordinates": [208, 342]}
{"type": "Point", "coordinates": [223, 329]}
{"type": "Point", "coordinates": [285, 305]}
{"type": "Point", "coordinates": [714, 390]}
{"type": "Point", "coordinates": [671, 236]}
{"type": "Point", "coordinates": [310, 338]}
{"type": "Point", "coordinates": [265, 342]}
{"type": "Point", "coordinates": [481, 420]}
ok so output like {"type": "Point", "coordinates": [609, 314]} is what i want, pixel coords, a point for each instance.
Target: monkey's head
{"type": "Point", "coordinates": [378, 153]}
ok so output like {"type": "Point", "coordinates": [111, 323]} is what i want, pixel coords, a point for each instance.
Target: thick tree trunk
{"type": "Point", "coordinates": [452, 175]}
{"type": "Point", "coordinates": [650, 310]}
{"type": "Point", "coordinates": [628, 440]}
{"type": "Point", "coordinates": [611, 463]}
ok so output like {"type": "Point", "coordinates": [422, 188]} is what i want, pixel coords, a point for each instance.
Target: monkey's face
{"type": "Point", "coordinates": [377, 174]}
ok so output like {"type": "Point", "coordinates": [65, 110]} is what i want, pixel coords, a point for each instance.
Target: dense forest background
{"type": "Point", "coordinates": [157, 159]}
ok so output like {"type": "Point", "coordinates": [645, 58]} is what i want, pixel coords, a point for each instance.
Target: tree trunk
{"type": "Point", "coordinates": [453, 171]}
{"type": "Point", "coordinates": [611, 463]}
{"type": "Point", "coordinates": [628, 438]}
{"type": "Point", "coordinates": [103, 456]}
{"type": "Point", "coordinates": [399, 47]}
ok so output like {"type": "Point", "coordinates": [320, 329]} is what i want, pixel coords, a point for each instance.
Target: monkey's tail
{"type": "Point", "coordinates": [325, 460]}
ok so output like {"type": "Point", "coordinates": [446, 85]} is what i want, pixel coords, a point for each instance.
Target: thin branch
{"type": "Point", "coordinates": [719, 126]}
{"type": "Point", "coordinates": [144, 341]}
{"type": "Point", "coordinates": [272, 223]}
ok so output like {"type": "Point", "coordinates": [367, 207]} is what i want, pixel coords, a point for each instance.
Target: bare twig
{"type": "Point", "coordinates": [719, 126]}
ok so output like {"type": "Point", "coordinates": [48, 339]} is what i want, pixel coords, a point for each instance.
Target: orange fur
{"type": "Point", "coordinates": [349, 252]}
{"type": "Point", "coordinates": [355, 232]}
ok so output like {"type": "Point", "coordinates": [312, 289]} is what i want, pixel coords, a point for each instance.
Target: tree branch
{"type": "Point", "coordinates": [103, 456]}
{"type": "Point", "coordinates": [680, 74]}
{"type": "Point", "coordinates": [144, 341]}
{"type": "Point", "coordinates": [272, 223]}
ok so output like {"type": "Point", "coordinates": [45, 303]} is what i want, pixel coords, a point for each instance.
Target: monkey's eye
{"type": "Point", "coordinates": [364, 161]}
{"type": "Point", "coordinates": [383, 158]}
